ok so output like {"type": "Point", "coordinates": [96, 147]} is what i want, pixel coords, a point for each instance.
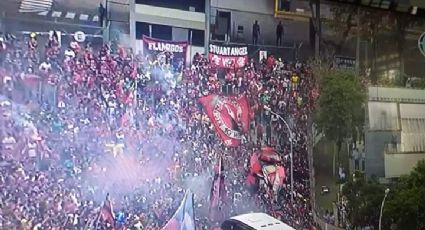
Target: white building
{"type": "Point", "coordinates": [177, 20]}
{"type": "Point", "coordinates": [395, 132]}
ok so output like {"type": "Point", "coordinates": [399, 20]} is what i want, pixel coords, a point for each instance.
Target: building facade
{"type": "Point", "coordinates": [394, 137]}
{"type": "Point", "coordinates": [201, 22]}
{"type": "Point", "coordinates": [176, 20]}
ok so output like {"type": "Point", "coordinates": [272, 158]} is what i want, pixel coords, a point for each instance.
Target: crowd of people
{"type": "Point", "coordinates": [79, 123]}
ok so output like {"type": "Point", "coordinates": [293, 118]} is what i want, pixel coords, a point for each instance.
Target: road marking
{"type": "Point", "coordinates": [56, 14]}
{"type": "Point", "coordinates": [60, 14]}
{"type": "Point", "coordinates": [35, 5]}
{"type": "Point", "coordinates": [84, 17]}
{"type": "Point", "coordinates": [43, 13]}
{"type": "Point", "coordinates": [70, 15]}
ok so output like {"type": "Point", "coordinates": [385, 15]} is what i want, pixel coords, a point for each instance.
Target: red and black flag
{"type": "Point", "coordinates": [229, 115]}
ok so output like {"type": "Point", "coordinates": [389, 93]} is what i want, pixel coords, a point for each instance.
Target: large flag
{"type": "Point", "coordinates": [245, 115]}
{"type": "Point", "coordinates": [217, 191]}
{"type": "Point", "coordinates": [173, 51]}
{"type": "Point", "coordinates": [230, 116]}
{"type": "Point", "coordinates": [184, 218]}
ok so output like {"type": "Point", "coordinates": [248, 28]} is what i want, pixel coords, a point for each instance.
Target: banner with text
{"type": "Point", "coordinates": [228, 56]}
{"type": "Point", "coordinates": [173, 52]}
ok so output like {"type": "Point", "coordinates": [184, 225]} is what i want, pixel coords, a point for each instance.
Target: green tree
{"type": "Point", "coordinates": [405, 207]}
{"type": "Point", "coordinates": [342, 24]}
{"type": "Point", "coordinates": [363, 201]}
{"type": "Point", "coordinates": [341, 99]}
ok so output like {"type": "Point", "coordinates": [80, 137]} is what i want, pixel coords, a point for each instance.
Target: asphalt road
{"type": "Point", "coordinates": [67, 15]}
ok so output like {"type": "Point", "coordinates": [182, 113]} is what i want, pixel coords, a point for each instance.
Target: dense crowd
{"type": "Point", "coordinates": [79, 123]}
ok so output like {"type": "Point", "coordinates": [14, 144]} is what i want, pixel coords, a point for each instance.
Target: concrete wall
{"type": "Point", "coordinates": [393, 167]}
{"type": "Point", "coordinates": [374, 150]}
{"type": "Point", "coordinates": [383, 116]}
{"type": "Point", "coordinates": [169, 17]}
{"type": "Point", "coordinates": [396, 94]}
{"type": "Point", "coordinates": [254, 6]}
{"type": "Point", "coordinates": [293, 31]}
{"type": "Point", "coordinates": [245, 12]}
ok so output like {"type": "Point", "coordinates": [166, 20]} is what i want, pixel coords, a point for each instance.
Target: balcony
{"type": "Point", "coordinates": [170, 17]}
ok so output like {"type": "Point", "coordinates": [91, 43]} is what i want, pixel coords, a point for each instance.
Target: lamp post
{"type": "Point", "coordinates": [291, 153]}
{"type": "Point", "coordinates": [382, 207]}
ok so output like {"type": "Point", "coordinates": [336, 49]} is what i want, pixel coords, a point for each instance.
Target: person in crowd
{"type": "Point", "coordinates": [356, 158]}
{"type": "Point", "coordinates": [255, 32]}
{"type": "Point", "coordinates": [102, 13]}
{"type": "Point", "coordinates": [279, 34]}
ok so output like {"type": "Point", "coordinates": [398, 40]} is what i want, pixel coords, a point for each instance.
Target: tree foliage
{"type": "Point", "coordinates": [341, 99]}
{"type": "Point", "coordinates": [363, 201]}
{"type": "Point", "coordinates": [342, 23]}
{"type": "Point", "coordinates": [405, 207]}
{"type": "Point", "coordinates": [374, 26]}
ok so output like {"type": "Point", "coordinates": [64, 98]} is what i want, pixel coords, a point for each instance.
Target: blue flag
{"type": "Point", "coordinates": [184, 217]}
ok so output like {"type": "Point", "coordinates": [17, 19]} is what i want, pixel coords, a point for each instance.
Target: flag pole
{"type": "Point", "coordinates": [194, 211]}
{"type": "Point", "coordinates": [98, 218]}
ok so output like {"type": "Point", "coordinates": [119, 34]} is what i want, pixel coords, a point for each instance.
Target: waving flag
{"type": "Point", "coordinates": [245, 115]}
{"type": "Point", "coordinates": [184, 218]}
{"type": "Point", "coordinates": [230, 116]}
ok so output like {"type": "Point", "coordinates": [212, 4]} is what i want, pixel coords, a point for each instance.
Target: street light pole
{"type": "Point", "coordinates": [382, 207]}
{"type": "Point", "coordinates": [291, 153]}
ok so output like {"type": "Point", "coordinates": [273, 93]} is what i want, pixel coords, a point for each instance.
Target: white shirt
{"type": "Point", "coordinates": [69, 53]}
{"type": "Point", "coordinates": [45, 66]}
{"type": "Point", "coordinates": [8, 142]}
{"type": "Point", "coordinates": [32, 152]}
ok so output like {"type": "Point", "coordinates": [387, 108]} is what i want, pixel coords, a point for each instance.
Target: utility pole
{"type": "Point", "coordinates": [318, 33]}
{"type": "Point", "coordinates": [358, 43]}
{"type": "Point", "coordinates": [132, 21]}
{"type": "Point", "coordinates": [207, 25]}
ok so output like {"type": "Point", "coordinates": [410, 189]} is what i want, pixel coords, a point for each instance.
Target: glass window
{"type": "Point", "coordinates": [199, 5]}
{"type": "Point", "coordinates": [142, 28]}
{"type": "Point", "coordinates": [162, 32]}
{"type": "Point", "coordinates": [158, 31]}
{"type": "Point", "coordinates": [198, 37]}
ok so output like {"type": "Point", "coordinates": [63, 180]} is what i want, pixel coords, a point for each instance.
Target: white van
{"type": "Point", "coordinates": [254, 221]}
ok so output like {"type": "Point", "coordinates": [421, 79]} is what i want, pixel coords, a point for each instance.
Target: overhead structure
{"type": "Point", "coordinates": [300, 9]}
{"type": "Point", "coordinates": [412, 7]}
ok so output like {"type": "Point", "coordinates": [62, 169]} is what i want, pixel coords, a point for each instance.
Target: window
{"type": "Point", "coordinates": [199, 5]}
{"type": "Point", "coordinates": [198, 37]}
{"type": "Point", "coordinates": [158, 31]}
{"type": "Point", "coordinates": [162, 32]}
{"type": "Point", "coordinates": [142, 28]}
